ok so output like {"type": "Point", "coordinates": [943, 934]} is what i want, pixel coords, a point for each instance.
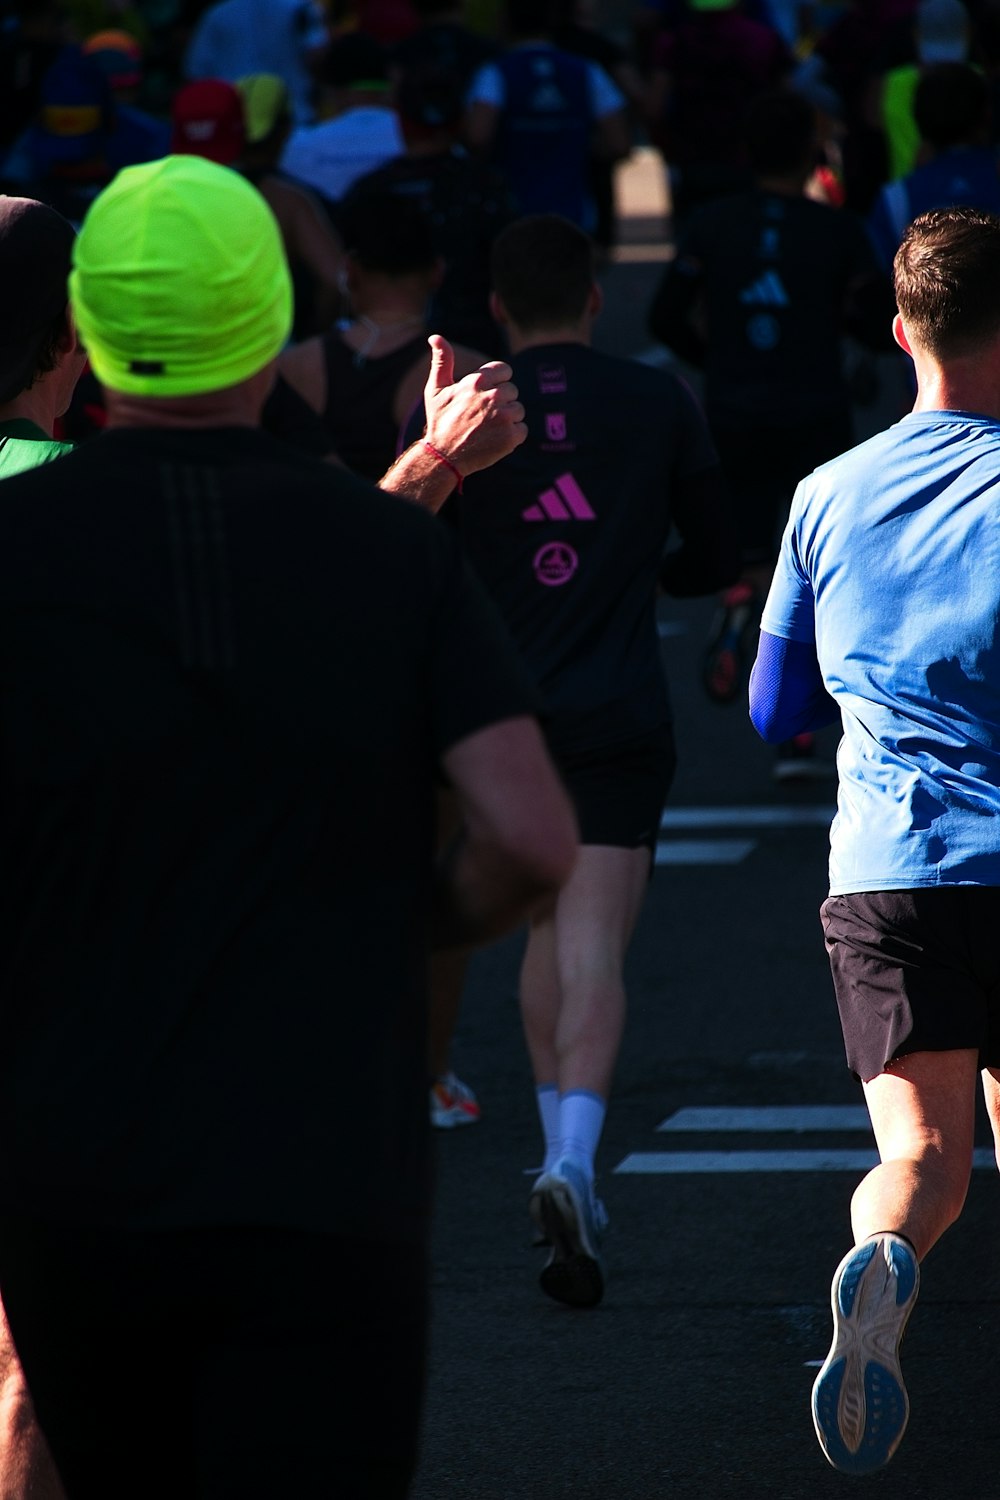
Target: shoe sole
{"type": "Point", "coordinates": [450, 1119]}
{"type": "Point", "coordinates": [573, 1274]}
{"type": "Point", "coordinates": [859, 1402]}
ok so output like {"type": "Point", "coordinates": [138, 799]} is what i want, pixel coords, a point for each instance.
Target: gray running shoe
{"type": "Point", "coordinates": [859, 1401]}
{"type": "Point", "coordinates": [570, 1221]}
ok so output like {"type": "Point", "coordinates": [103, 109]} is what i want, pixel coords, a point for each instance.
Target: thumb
{"type": "Point", "coordinates": [442, 371]}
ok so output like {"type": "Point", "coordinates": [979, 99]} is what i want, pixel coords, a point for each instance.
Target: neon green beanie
{"type": "Point", "coordinates": [180, 283]}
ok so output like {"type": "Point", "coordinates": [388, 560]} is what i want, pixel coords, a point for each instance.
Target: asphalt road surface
{"type": "Point", "coordinates": [734, 1140]}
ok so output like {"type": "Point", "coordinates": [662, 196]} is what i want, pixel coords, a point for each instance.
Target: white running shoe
{"type": "Point", "coordinates": [452, 1103]}
{"type": "Point", "coordinates": [570, 1221]}
{"type": "Point", "coordinates": [859, 1402]}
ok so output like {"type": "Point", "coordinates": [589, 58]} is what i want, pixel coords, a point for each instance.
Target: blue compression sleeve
{"type": "Point", "coordinates": [787, 693]}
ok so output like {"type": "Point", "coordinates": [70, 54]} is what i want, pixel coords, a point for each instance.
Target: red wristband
{"type": "Point", "coordinates": [446, 461]}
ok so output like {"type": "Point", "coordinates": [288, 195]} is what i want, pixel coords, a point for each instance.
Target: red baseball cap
{"type": "Point", "coordinates": [208, 121]}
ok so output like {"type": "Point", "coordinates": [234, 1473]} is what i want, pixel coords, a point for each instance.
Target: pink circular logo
{"type": "Point", "coordinates": [555, 563]}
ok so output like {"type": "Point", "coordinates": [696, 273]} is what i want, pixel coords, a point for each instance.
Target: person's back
{"type": "Point", "coordinates": [569, 535]}
{"type": "Point", "coordinates": [762, 291]}
{"type": "Point", "coordinates": [959, 166]}
{"type": "Point", "coordinates": [313, 250]}
{"type": "Point", "coordinates": [541, 112]}
{"type": "Point", "coordinates": [766, 282]}
{"type": "Point", "coordinates": [941, 33]}
{"type": "Point", "coordinates": [545, 129]}
{"type": "Point", "coordinates": [775, 273]}
{"type": "Point", "coordinates": [286, 37]}
{"type": "Point", "coordinates": [465, 202]}
{"type": "Point", "coordinates": [263, 860]}
{"type": "Point", "coordinates": [358, 129]}
{"type": "Point", "coordinates": [706, 73]}
{"type": "Point", "coordinates": [365, 375]}
{"type": "Point", "coordinates": [363, 409]}
{"type": "Point", "coordinates": [80, 137]}
{"type": "Point", "coordinates": [913, 635]}
{"type": "Point", "coordinates": [40, 364]}
{"type": "Point", "coordinates": [23, 447]}
{"type": "Point", "coordinates": [198, 784]}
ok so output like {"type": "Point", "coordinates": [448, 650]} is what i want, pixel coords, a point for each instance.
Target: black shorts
{"type": "Point", "coordinates": [915, 971]}
{"type": "Point", "coordinates": [619, 791]}
{"type": "Point", "coordinates": [762, 466]}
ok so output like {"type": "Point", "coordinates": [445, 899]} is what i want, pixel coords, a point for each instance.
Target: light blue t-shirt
{"type": "Point", "coordinates": [235, 37]}
{"type": "Point", "coordinates": [890, 564]}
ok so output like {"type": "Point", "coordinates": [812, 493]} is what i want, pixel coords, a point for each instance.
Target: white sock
{"type": "Point", "coordinates": [581, 1120]}
{"type": "Point", "coordinates": [547, 1095]}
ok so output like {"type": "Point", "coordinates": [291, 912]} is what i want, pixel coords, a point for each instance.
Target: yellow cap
{"type": "Point", "coordinates": [265, 100]}
{"type": "Point", "coordinates": [180, 283]}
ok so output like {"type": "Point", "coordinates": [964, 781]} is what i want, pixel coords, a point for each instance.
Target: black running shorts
{"type": "Point", "coordinates": [619, 791]}
{"type": "Point", "coordinates": [915, 971]}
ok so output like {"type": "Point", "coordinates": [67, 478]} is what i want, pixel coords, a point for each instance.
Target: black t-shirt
{"type": "Point", "coordinates": [779, 279]}
{"type": "Point", "coordinates": [228, 674]}
{"type": "Point", "coordinates": [568, 534]}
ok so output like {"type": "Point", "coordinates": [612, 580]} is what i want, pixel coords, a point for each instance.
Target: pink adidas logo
{"type": "Point", "coordinates": [564, 502]}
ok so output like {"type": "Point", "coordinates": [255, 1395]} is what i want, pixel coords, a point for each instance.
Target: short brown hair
{"type": "Point", "coordinates": [36, 246]}
{"type": "Point", "coordinates": [542, 268]}
{"type": "Point", "coordinates": [945, 276]}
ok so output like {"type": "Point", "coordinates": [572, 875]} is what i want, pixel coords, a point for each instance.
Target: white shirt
{"type": "Point", "coordinates": [330, 156]}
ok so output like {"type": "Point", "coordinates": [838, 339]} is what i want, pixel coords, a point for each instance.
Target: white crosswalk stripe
{"type": "Point", "coordinates": [788, 1119]}
{"type": "Point", "coordinates": [728, 851]}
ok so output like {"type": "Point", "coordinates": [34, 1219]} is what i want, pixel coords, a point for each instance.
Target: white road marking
{"type": "Point", "coordinates": [704, 851]}
{"type": "Point", "coordinates": [687, 1163]}
{"type": "Point", "coordinates": [795, 1117]}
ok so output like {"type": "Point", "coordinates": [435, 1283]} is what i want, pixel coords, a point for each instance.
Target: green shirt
{"type": "Point", "coordinates": [25, 446]}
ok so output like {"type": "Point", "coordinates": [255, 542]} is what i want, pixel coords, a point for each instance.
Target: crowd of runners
{"type": "Point", "coordinates": [280, 752]}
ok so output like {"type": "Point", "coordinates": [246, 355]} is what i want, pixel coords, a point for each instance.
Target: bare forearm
{"type": "Point", "coordinates": [419, 476]}
{"type": "Point", "coordinates": [519, 839]}
{"type": "Point", "coordinates": [481, 893]}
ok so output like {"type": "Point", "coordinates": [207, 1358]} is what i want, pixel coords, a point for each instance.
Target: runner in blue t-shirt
{"type": "Point", "coordinates": [885, 607]}
{"type": "Point", "coordinates": [541, 112]}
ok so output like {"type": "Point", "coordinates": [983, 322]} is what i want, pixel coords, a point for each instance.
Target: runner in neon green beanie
{"type": "Point", "coordinates": [180, 284]}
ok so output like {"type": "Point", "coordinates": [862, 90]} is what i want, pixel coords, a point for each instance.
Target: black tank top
{"type": "Point", "coordinates": [360, 396]}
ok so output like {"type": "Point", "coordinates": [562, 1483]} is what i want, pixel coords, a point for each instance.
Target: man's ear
{"type": "Point", "coordinates": [899, 334]}
{"type": "Point", "coordinates": [498, 311]}
{"type": "Point", "coordinates": [595, 300]}
{"type": "Point", "coordinates": [68, 341]}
